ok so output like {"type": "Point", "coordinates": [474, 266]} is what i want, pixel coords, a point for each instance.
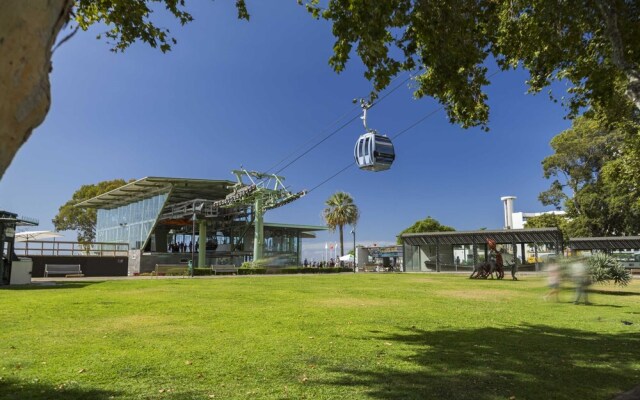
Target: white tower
{"type": "Point", "coordinates": [508, 211]}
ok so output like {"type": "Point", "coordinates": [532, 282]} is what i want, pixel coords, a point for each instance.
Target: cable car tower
{"type": "Point", "coordinates": [264, 192]}
{"type": "Point", "coordinates": [246, 200]}
{"type": "Point", "coordinates": [373, 151]}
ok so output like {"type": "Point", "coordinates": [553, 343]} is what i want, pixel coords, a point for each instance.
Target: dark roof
{"type": "Point", "coordinates": [537, 235]}
{"type": "Point", "coordinates": [305, 231]}
{"type": "Point", "coordinates": [605, 243]}
{"type": "Point", "coordinates": [310, 228]}
{"type": "Point", "coordinates": [181, 189]}
{"type": "Point", "coordinates": [10, 219]}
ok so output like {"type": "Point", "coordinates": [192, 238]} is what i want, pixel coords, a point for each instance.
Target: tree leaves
{"type": "Point", "coordinates": [340, 211]}
{"type": "Point", "coordinates": [596, 168]}
{"type": "Point", "coordinates": [426, 225]}
{"type": "Point", "coordinates": [83, 220]}
{"type": "Point", "coordinates": [130, 20]}
{"type": "Point", "coordinates": [592, 45]}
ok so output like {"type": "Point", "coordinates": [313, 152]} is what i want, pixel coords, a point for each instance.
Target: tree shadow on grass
{"type": "Point", "coordinates": [523, 362]}
{"type": "Point", "coordinates": [613, 293]}
{"type": "Point", "coordinates": [50, 286]}
{"type": "Point", "coordinates": [11, 389]}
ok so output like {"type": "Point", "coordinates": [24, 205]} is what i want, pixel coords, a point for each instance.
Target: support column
{"type": "Point", "coordinates": [290, 245]}
{"type": "Point", "coordinates": [202, 243]}
{"type": "Point", "coordinates": [258, 237]}
{"type": "Point", "coordinates": [437, 255]}
{"type": "Point", "coordinates": [299, 249]}
{"type": "Point", "coordinates": [475, 253]}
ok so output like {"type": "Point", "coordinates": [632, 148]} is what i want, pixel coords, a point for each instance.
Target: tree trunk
{"type": "Point", "coordinates": [28, 30]}
{"type": "Point", "coordinates": [341, 241]}
{"type": "Point", "coordinates": [632, 71]}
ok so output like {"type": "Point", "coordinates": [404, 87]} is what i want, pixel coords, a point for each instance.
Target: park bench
{"type": "Point", "coordinates": [224, 269]}
{"type": "Point", "coordinates": [68, 270]}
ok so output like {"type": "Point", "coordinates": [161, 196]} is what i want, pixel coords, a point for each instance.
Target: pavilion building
{"type": "Point", "coordinates": [209, 222]}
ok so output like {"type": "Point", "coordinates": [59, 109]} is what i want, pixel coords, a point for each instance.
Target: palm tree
{"type": "Point", "coordinates": [340, 211]}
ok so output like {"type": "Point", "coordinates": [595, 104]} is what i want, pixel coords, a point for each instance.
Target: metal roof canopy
{"type": "Point", "coordinates": [10, 218]}
{"type": "Point", "coordinates": [305, 231]}
{"type": "Point", "coordinates": [605, 243]}
{"type": "Point", "coordinates": [182, 189]}
{"type": "Point", "coordinates": [537, 235]}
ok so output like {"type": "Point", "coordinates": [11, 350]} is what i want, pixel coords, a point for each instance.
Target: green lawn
{"type": "Point", "coordinates": [346, 336]}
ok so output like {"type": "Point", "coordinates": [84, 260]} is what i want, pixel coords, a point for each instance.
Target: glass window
{"type": "Point", "coordinates": [131, 223]}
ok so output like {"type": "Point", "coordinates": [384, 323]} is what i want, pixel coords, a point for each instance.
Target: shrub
{"type": "Point", "coordinates": [201, 271]}
{"type": "Point", "coordinates": [251, 271]}
{"type": "Point", "coordinates": [310, 270]}
{"type": "Point", "coordinates": [603, 268]}
{"type": "Point", "coordinates": [174, 272]}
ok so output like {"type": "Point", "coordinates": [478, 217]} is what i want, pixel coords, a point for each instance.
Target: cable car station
{"type": "Point", "coordinates": [208, 222]}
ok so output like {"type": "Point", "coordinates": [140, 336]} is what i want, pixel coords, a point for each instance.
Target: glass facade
{"type": "Point", "coordinates": [280, 242]}
{"type": "Point", "coordinates": [131, 223]}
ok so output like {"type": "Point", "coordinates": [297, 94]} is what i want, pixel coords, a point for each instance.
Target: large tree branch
{"type": "Point", "coordinates": [612, 30]}
{"type": "Point", "coordinates": [28, 30]}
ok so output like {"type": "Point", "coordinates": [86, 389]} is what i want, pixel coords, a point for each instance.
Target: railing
{"type": "Point", "coordinates": [61, 248]}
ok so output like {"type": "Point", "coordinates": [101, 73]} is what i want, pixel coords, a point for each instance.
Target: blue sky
{"type": "Point", "coordinates": [235, 93]}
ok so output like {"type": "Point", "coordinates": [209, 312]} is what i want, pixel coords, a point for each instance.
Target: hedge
{"type": "Point", "coordinates": [309, 270]}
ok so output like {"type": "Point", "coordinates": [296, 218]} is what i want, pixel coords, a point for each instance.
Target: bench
{"type": "Point", "coordinates": [68, 270]}
{"type": "Point", "coordinates": [634, 271]}
{"type": "Point", "coordinates": [224, 269]}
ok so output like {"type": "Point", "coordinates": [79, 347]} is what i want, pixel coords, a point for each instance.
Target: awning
{"type": "Point", "coordinates": [537, 235]}
{"type": "Point", "coordinates": [605, 243]}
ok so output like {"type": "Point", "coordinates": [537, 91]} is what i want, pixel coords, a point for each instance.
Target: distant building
{"type": "Point", "coordinates": [520, 218]}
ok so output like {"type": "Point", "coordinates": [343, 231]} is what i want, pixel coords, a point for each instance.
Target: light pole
{"type": "Point", "coordinates": [353, 232]}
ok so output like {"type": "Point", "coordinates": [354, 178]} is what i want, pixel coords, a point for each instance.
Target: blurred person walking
{"type": "Point", "coordinates": [581, 280]}
{"type": "Point", "coordinates": [553, 279]}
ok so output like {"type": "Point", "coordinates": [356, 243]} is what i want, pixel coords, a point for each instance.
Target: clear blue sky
{"type": "Point", "coordinates": [235, 93]}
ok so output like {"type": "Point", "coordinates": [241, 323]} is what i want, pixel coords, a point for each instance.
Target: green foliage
{"type": "Point", "coordinates": [310, 270]}
{"type": "Point", "coordinates": [252, 271]}
{"type": "Point", "coordinates": [83, 220]}
{"type": "Point", "coordinates": [550, 221]}
{"type": "Point", "coordinates": [595, 171]}
{"type": "Point", "coordinates": [603, 268]}
{"type": "Point", "coordinates": [257, 267]}
{"type": "Point", "coordinates": [340, 211]}
{"type": "Point", "coordinates": [591, 45]}
{"type": "Point", "coordinates": [201, 271]}
{"type": "Point", "coordinates": [426, 225]}
{"type": "Point", "coordinates": [130, 20]}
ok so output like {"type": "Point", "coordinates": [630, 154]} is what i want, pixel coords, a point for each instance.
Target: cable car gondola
{"type": "Point", "coordinates": [373, 151]}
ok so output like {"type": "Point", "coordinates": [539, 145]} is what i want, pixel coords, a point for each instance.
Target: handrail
{"type": "Point", "coordinates": [64, 248]}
